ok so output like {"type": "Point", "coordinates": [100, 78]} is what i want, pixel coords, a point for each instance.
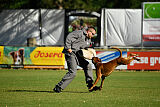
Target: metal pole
{"type": "Point", "coordinates": [40, 25]}
{"type": "Point", "coordinates": [142, 26]}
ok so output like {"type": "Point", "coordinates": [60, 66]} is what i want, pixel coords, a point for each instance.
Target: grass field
{"type": "Point", "coordinates": [33, 88]}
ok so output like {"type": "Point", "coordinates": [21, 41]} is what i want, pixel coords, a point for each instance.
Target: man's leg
{"type": "Point", "coordinates": [87, 70]}
{"type": "Point", "coordinates": [72, 69]}
{"type": "Point", "coordinates": [88, 74]}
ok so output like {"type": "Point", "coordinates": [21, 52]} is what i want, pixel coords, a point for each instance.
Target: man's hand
{"type": "Point", "coordinates": [69, 50]}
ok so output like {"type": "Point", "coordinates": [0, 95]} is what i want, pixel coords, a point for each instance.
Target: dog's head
{"type": "Point", "coordinates": [18, 56]}
{"type": "Point", "coordinates": [95, 60]}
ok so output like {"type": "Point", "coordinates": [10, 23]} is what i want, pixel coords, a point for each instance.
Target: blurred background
{"type": "Point", "coordinates": [47, 22]}
{"type": "Point", "coordinates": [90, 5]}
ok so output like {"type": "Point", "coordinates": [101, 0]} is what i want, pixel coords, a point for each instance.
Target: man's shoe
{"type": "Point", "coordinates": [57, 89]}
{"type": "Point", "coordinates": [89, 84]}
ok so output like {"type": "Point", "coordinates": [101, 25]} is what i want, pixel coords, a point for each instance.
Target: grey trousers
{"type": "Point", "coordinates": [72, 62]}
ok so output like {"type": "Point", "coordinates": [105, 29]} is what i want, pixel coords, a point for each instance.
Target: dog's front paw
{"type": "Point", "coordinates": [94, 89]}
{"type": "Point", "coordinates": [91, 90]}
{"type": "Point", "coordinates": [97, 88]}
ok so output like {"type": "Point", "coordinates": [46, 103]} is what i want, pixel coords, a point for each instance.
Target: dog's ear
{"type": "Point", "coordinates": [21, 51]}
{"type": "Point", "coordinates": [12, 54]}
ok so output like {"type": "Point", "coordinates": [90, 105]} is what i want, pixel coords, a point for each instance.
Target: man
{"type": "Point", "coordinates": [75, 41]}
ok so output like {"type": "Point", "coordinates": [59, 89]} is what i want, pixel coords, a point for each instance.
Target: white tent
{"type": "Point", "coordinates": [16, 26]}
{"type": "Point", "coordinates": [121, 27]}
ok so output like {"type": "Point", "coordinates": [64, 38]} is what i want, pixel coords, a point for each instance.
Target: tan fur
{"type": "Point", "coordinates": [105, 69]}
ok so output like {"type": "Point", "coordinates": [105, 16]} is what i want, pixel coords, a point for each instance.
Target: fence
{"type": "Point", "coordinates": [117, 27]}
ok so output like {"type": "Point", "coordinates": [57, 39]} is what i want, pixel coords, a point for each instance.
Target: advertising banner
{"type": "Point", "coordinates": [1, 54]}
{"type": "Point", "coordinates": [32, 55]}
{"type": "Point", "coordinates": [17, 55]}
{"type": "Point", "coordinates": [47, 56]}
{"type": "Point", "coordinates": [107, 56]}
{"type": "Point", "coordinates": [149, 61]}
{"type": "Point", "coordinates": [151, 10]}
{"type": "Point", "coordinates": [151, 24]}
{"type": "Point", "coordinates": [53, 56]}
{"type": "Point", "coordinates": [151, 31]}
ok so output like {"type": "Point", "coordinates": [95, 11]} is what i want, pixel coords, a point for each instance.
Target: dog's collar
{"type": "Point", "coordinates": [97, 63]}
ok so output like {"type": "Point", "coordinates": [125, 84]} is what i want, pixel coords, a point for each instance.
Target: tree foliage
{"type": "Point", "coordinates": [89, 5]}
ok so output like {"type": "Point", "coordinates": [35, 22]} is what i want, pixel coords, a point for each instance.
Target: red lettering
{"type": "Point", "coordinates": [42, 54]}
{"type": "Point", "coordinates": [36, 55]}
{"type": "Point", "coordinates": [60, 55]}
{"type": "Point", "coordinates": [51, 55]}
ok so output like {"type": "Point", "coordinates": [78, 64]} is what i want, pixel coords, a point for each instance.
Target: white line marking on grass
{"type": "Point", "coordinates": [156, 99]}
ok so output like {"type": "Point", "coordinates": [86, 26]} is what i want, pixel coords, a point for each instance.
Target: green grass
{"type": "Point", "coordinates": [33, 88]}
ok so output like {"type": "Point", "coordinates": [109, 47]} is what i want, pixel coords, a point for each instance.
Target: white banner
{"type": "Point", "coordinates": [121, 27]}
{"type": "Point", "coordinates": [53, 27]}
{"type": "Point", "coordinates": [151, 27]}
{"type": "Point", "coordinates": [18, 25]}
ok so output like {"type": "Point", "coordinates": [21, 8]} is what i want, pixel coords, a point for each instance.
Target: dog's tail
{"type": "Point", "coordinates": [118, 50]}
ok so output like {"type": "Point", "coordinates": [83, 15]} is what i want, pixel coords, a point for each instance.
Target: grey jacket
{"type": "Point", "coordinates": [77, 40]}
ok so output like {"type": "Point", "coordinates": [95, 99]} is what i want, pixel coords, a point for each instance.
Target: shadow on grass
{"type": "Point", "coordinates": [29, 91]}
{"type": "Point", "coordinates": [43, 91]}
{"type": "Point", "coordinates": [74, 92]}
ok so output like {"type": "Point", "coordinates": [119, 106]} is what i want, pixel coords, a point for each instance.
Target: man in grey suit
{"type": "Point", "coordinates": [75, 41]}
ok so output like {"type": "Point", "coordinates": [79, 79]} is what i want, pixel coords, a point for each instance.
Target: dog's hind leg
{"type": "Point", "coordinates": [136, 59]}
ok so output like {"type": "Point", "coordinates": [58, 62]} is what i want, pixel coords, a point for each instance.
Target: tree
{"type": "Point", "coordinates": [89, 5]}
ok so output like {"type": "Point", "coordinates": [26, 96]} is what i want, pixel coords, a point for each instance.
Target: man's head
{"type": "Point", "coordinates": [91, 31]}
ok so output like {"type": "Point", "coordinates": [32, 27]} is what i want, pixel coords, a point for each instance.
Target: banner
{"type": "Point", "coordinates": [32, 55]}
{"type": "Point", "coordinates": [151, 24]}
{"type": "Point", "coordinates": [107, 56]}
{"type": "Point", "coordinates": [151, 31]}
{"type": "Point", "coordinates": [17, 55]}
{"type": "Point", "coordinates": [121, 27]}
{"type": "Point", "coordinates": [1, 54]}
{"type": "Point", "coordinates": [53, 56]}
{"type": "Point", "coordinates": [47, 56]}
{"type": "Point", "coordinates": [53, 21]}
{"type": "Point", "coordinates": [151, 10]}
{"type": "Point", "coordinates": [23, 24]}
{"type": "Point", "coordinates": [149, 61]}
{"type": "Point", "coordinates": [17, 25]}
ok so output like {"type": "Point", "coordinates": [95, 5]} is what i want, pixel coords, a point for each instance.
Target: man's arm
{"type": "Point", "coordinates": [69, 40]}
